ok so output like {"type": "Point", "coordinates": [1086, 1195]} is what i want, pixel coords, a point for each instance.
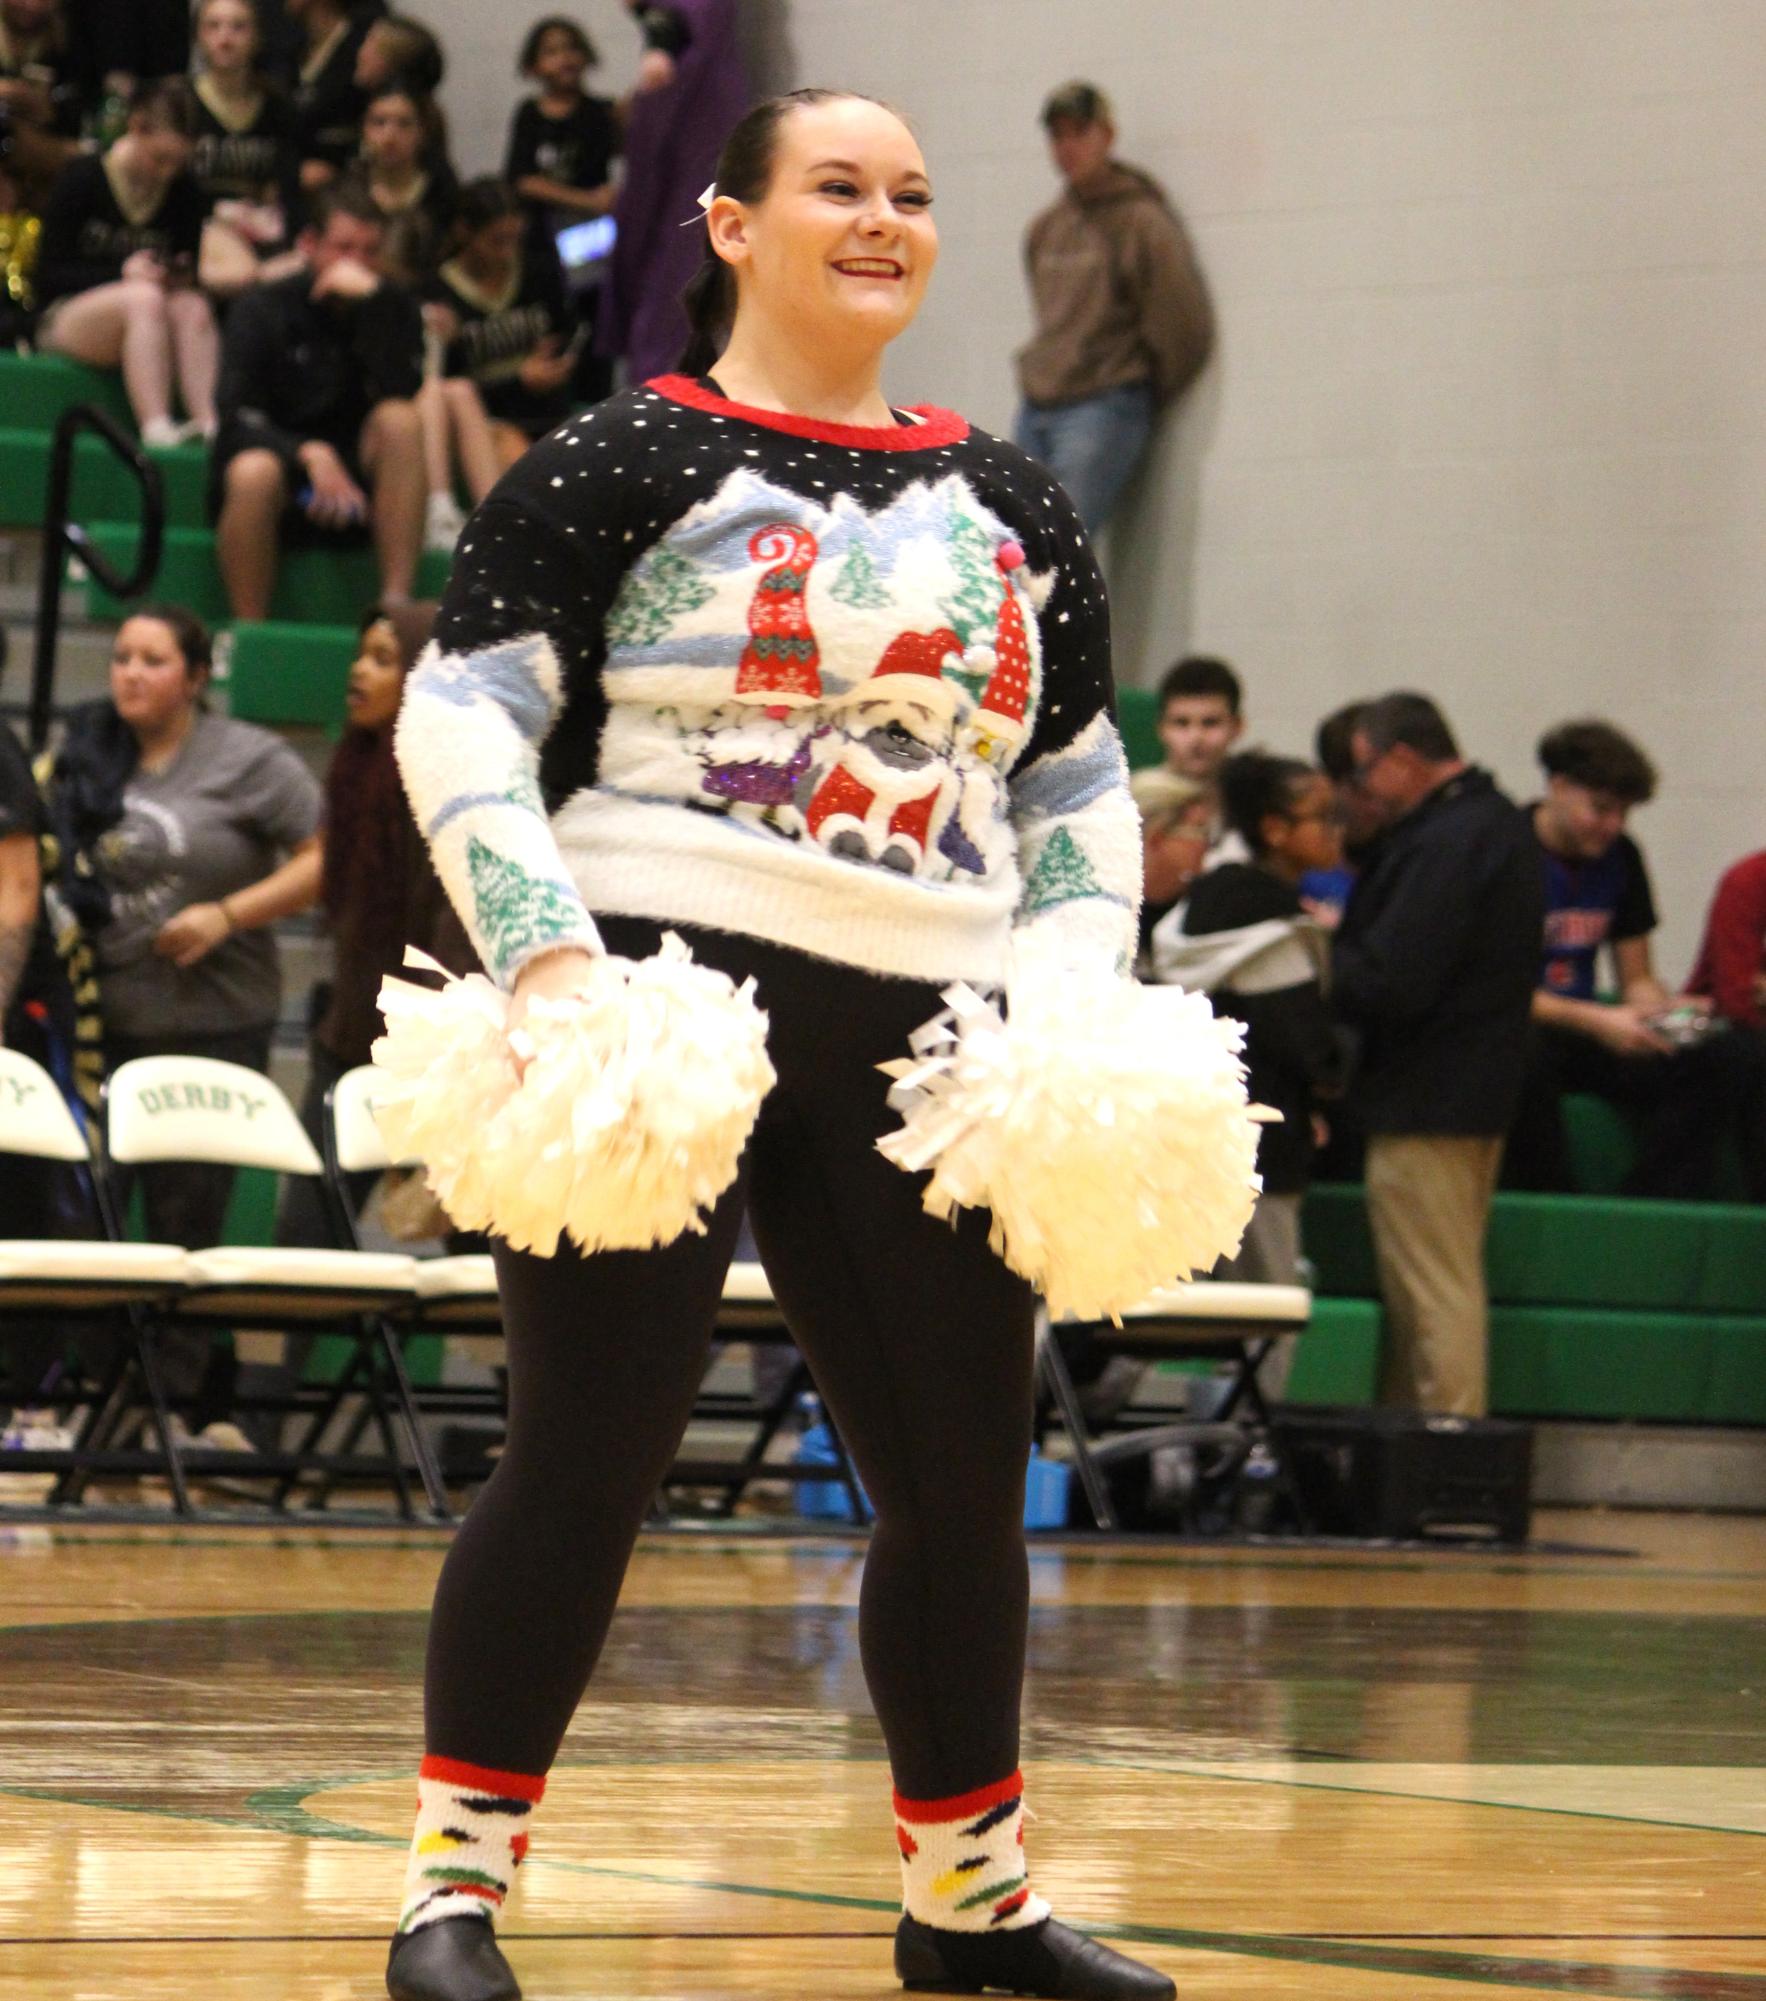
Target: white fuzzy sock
{"type": "Point", "coordinates": [962, 1860]}
{"type": "Point", "coordinates": [470, 1838]}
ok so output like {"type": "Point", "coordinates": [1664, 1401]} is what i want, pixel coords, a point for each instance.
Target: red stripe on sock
{"type": "Point", "coordinates": [518, 1848]}
{"type": "Point", "coordinates": [481, 1779]}
{"type": "Point", "coordinates": [908, 1845]}
{"type": "Point", "coordinates": [960, 1806]}
{"type": "Point", "coordinates": [1011, 1904]}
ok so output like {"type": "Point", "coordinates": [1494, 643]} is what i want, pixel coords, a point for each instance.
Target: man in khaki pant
{"type": "Point", "coordinates": [1434, 967]}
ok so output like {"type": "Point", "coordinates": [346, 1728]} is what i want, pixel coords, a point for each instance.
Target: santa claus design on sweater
{"type": "Point", "coordinates": [784, 651]}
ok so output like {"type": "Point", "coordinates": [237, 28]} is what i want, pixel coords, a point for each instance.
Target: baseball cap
{"type": "Point", "coordinates": [1081, 102]}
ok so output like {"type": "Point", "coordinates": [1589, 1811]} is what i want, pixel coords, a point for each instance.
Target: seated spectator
{"type": "Point", "coordinates": [328, 102]}
{"type": "Point", "coordinates": [1730, 971]}
{"type": "Point", "coordinates": [244, 161]}
{"type": "Point", "coordinates": [41, 101]}
{"type": "Point", "coordinates": [116, 272]}
{"type": "Point", "coordinates": [319, 378]}
{"type": "Point", "coordinates": [1631, 1051]}
{"type": "Point", "coordinates": [398, 49]}
{"type": "Point", "coordinates": [404, 174]}
{"type": "Point", "coordinates": [1176, 815]}
{"type": "Point", "coordinates": [1200, 719]}
{"type": "Point", "coordinates": [377, 887]}
{"type": "Point", "coordinates": [33, 1006]}
{"type": "Point", "coordinates": [1433, 966]}
{"type": "Point", "coordinates": [1242, 937]}
{"type": "Point", "coordinates": [563, 140]}
{"type": "Point", "coordinates": [182, 836]}
{"type": "Point", "coordinates": [497, 305]}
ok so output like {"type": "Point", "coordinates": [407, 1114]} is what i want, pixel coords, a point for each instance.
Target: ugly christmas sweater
{"type": "Point", "coordinates": [844, 688]}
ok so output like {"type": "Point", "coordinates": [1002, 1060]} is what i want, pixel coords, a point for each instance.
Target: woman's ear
{"type": "Point", "coordinates": [727, 222]}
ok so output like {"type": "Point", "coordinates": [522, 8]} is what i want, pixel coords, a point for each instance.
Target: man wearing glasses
{"type": "Point", "coordinates": [1434, 966]}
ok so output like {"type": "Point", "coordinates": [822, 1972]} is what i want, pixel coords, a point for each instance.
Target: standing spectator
{"type": "Point", "coordinates": [116, 273]}
{"type": "Point", "coordinates": [563, 140]}
{"type": "Point", "coordinates": [1673, 1086]}
{"type": "Point", "coordinates": [407, 180]}
{"type": "Point", "coordinates": [1242, 937]}
{"type": "Point", "coordinates": [319, 378]}
{"type": "Point", "coordinates": [244, 162]}
{"type": "Point", "coordinates": [194, 833]}
{"type": "Point", "coordinates": [498, 306]}
{"type": "Point", "coordinates": [1434, 966]}
{"type": "Point", "coordinates": [41, 99]}
{"type": "Point", "coordinates": [377, 887]}
{"type": "Point", "coordinates": [1123, 322]}
{"type": "Point", "coordinates": [328, 102]}
{"type": "Point", "coordinates": [691, 91]}
{"type": "Point", "coordinates": [1201, 717]}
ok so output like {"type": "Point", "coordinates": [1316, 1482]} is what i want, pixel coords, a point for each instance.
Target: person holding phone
{"type": "Point", "coordinates": [116, 274]}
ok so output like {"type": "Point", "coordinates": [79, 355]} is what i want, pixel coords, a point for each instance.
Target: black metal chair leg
{"type": "Point", "coordinates": [1054, 1368]}
{"type": "Point", "coordinates": [162, 1418]}
{"type": "Point", "coordinates": [405, 1396]}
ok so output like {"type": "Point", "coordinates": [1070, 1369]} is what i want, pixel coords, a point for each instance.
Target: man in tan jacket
{"type": "Point", "coordinates": [1123, 322]}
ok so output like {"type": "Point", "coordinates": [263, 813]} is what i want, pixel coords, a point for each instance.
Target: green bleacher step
{"type": "Point", "coordinates": [36, 388]}
{"type": "Point", "coordinates": [1337, 1359]}
{"type": "Point", "coordinates": [284, 674]}
{"type": "Point", "coordinates": [104, 488]}
{"type": "Point", "coordinates": [313, 586]}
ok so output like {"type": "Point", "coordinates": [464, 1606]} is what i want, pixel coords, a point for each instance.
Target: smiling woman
{"type": "Point", "coordinates": [823, 686]}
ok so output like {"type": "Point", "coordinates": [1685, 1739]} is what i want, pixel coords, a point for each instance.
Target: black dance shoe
{"type": "Point", "coordinates": [455, 1959]}
{"type": "Point", "coordinates": [1048, 1959]}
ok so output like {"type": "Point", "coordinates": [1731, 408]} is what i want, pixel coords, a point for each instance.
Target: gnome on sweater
{"type": "Point", "coordinates": [998, 720]}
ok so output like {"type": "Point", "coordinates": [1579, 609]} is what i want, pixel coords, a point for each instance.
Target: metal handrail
{"type": "Point", "coordinates": [62, 538]}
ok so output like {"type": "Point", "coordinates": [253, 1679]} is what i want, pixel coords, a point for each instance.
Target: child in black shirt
{"type": "Point", "coordinates": [116, 273]}
{"type": "Point", "coordinates": [498, 306]}
{"type": "Point", "coordinates": [563, 140]}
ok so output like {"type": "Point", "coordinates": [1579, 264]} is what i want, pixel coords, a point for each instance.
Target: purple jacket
{"type": "Point", "coordinates": [671, 153]}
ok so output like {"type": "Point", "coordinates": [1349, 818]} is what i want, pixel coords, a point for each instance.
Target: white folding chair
{"type": "Point", "coordinates": [193, 1108]}
{"type": "Point", "coordinates": [456, 1295]}
{"type": "Point", "coordinates": [42, 1276]}
{"type": "Point", "coordinates": [1206, 1319]}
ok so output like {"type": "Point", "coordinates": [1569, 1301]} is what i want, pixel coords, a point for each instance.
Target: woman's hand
{"type": "Point", "coordinates": [555, 976]}
{"type": "Point", "coordinates": [656, 71]}
{"type": "Point", "coordinates": [142, 267]}
{"type": "Point", "coordinates": [192, 933]}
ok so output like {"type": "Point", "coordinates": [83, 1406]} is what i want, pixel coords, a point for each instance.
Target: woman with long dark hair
{"type": "Point", "coordinates": [823, 686]}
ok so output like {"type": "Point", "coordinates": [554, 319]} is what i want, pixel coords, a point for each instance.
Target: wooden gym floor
{"type": "Point", "coordinates": [1336, 1775]}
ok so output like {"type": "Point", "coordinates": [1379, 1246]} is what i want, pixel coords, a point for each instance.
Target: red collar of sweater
{"type": "Point", "coordinates": [936, 427]}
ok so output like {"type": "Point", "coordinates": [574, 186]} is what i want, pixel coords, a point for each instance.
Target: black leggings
{"type": "Point", "coordinates": [921, 1343]}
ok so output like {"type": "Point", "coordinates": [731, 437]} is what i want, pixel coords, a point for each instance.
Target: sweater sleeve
{"type": "Point", "coordinates": [1078, 834]}
{"type": "Point", "coordinates": [515, 661]}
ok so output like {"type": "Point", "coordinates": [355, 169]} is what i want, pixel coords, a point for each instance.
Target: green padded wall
{"type": "Point", "coordinates": [104, 488]}
{"type": "Point", "coordinates": [36, 388]}
{"type": "Point", "coordinates": [1137, 717]}
{"type": "Point", "coordinates": [1337, 1359]}
{"type": "Point", "coordinates": [283, 674]}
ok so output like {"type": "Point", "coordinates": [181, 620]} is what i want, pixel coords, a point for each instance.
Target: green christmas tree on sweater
{"type": "Point", "coordinates": [857, 584]}
{"type": "Point", "coordinates": [974, 607]}
{"type": "Point", "coordinates": [653, 597]}
{"type": "Point", "coordinates": [516, 909]}
{"type": "Point", "coordinates": [1061, 875]}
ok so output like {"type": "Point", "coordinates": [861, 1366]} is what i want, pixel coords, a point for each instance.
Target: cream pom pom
{"type": "Point", "coordinates": [1104, 1123]}
{"type": "Point", "coordinates": [627, 1124]}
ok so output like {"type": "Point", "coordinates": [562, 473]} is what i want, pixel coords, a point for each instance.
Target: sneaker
{"type": "Point", "coordinates": [161, 433]}
{"type": "Point", "coordinates": [442, 522]}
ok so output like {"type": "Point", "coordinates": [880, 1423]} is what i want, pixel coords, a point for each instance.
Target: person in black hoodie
{"type": "Point", "coordinates": [1434, 966]}
{"type": "Point", "coordinates": [319, 428]}
{"type": "Point", "coordinates": [1243, 937]}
